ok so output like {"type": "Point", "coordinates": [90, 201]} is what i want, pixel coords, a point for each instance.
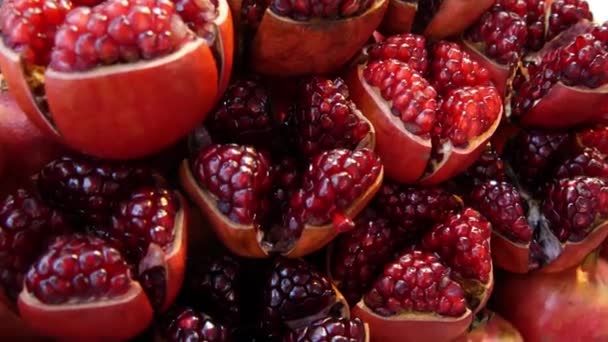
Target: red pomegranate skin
{"type": "Point", "coordinates": [568, 306]}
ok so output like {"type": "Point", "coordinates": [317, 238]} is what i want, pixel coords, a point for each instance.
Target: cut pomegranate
{"type": "Point", "coordinates": [289, 38]}
{"type": "Point", "coordinates": [188, 324]}
{"type": "Point", "coordinates": [233, 187]}
{"type": "Point", "coordinates": [80, 287]}
{"type": "Point", "coordinates": [102, 53]}
{"type": "Point", "coordinates": [548, 214]}
{"type": "Point", "coordinates": [332, 329]}
{"type": "Point", "coordinates": [26, 225]}
{"type": "Point", "coordinates": [443, 128]}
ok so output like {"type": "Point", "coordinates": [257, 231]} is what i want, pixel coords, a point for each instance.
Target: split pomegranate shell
{"type": "Point", "coordinates": [286, 47]}
{"type": "Point", "coordinates": [492, 328]}
{"type": "Point", "coordinates": [454, 16]}
{"type": "Point", "coordinates": [245, 240]}
{"type": "Point", "coordinates": [399, 17]}
{"type": "Point", "coordinates": [156, 112]}
{"type": "Point", "coordinates": [117, 318]}
{"type": "Point", "coordinates": [556, 303]}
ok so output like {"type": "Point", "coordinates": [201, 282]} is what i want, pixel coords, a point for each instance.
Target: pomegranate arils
{"type": "Point", "coordinates": [305, 10]}
{"type": "Point", "coordinates": [146, 217]}
{"type": "Point", "coordinates": [503, 34]}
{"type": "Point", "coordinates": [412, 98]}
{"type": "Point", "coordinates": [87, 187]}
{"type": "Point", "coordinates": [117, 31]}
{"type": "Point", "coordinates": [504, 207]}
{"type": "Point", "coordinates": [78, 267]}
{"type": "Point", "coordinates": [26, 225]}
{"type": "Point", "coordinates": [359, 255]}
{"type": "Point", "coordinates": [573, 206]}
{"type": "Point", "coordinates": [565, 13]}
{"type": "Point", "coordinates": [463, 242]}
{"type": "Point", "coordinates": [325, 118]}
{"type": "Point", "coordinates": [413, 209]}
{"type": "Point", "coordinates": [489, 166]}
{"type": "Point", "coordinates": [187, 324]}
{"type": "Point", "coordinates": [466, 113]}
{"type": "Point", "coordinates": [238, 177]}
{"type": "Point", "coordinates": [330, 329]}
{"type": "Point", "coordinates": [596, 138]}
{"type": "Point", "coordinates": [589, 162]}
{"type": "Point", "coordinates": [416, 282]}
{"type": "Point", "coordinates": [199, 15]}
{"type": "Point", "coordinates": [534, 14]}
{"type": "Point", "coordinates": [243, 115]}
{"type": "Point", "coordinates": [28, 26]}
{"type": "Point", "coordinates": [287, 177]}
{"type": "Point", "coordinates": [213, 284]}
{"type": "Point", "coordinates": [452, 68]}
{"type": "Point", "coordinates": [408, 48]}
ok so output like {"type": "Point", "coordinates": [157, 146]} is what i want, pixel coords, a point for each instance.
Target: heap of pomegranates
{"type": "Point", "coordinates": [375, 170]}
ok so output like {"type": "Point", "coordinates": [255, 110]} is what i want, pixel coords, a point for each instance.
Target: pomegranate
{"type": "Point", "coordinates": [548, 209]}
{"type": "Point", "coordinates": [441, 112]}
{"type": "Point", "coordinates": [546, 57]}
{"type": "Point", "coordinates": [556, 301]}
{"type": "Point", "coordinates": [424, 288]}
{"type": "Point", "coordinates": [108, 51]}
{"type": "Point", "coordinates": [263, 198]}
{"type": "Point", "coordinates": [104, 283]}
{"type": "Point", "coordinates": [437, 19]}
{"type": "Point", "coordinates": [188, 324]}
{"type": "Point", "coordinates": [287, 38]}
{"type": "Point", "coordinates": [490, 327]}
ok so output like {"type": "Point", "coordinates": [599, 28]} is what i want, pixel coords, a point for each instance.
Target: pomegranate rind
{"type": "Point", "coordinates": [113, 319]}
{"type": "Point", "coordinates": [557, 303]}
{"type": "Point", "coordinates": [240, 239]}
{"type": "Point", "coordinates": [316, 237]}
{"type": "Point", "coordinates": [285, 47]}
{"type": "Point", "coordinates": [399, 17]}
{"type": "Point", "coordinates": [415, 327]}
{"type": "Point", "coordinates": [496, 329]}
{"type": "Point", "coordinates": [403, 154]}
{"type": "Point", "coordinates": [510, 256]}
{"type": "Point", "coordinates": [224, 23]}
{"type": "Point", "coordinates": [454, 16]}
{"type": "Point", "coordinates": [565, 106]}
{"type": "Point", "coordinates": [456, 160]}
{"type": "Point", "coordinates": [500, 74]}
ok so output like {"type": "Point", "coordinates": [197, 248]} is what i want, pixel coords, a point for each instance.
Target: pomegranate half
{"type": "Point", "coordinates": [104, 84]}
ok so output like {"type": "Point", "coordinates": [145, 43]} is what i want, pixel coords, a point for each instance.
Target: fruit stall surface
{"type": "Point", "coordinates": [304, 170]}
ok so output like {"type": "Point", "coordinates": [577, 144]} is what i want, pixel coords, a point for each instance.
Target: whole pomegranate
{"type": "Point", "coordinates": [287, 37]}
{"type": "Point", "coordinates": [101, 78]}
{"type": "Point", "coordinates": [93, 250]}
{"type": "Point", "coordinates": [434, 110]}
{"type": "Point", "coordinates": [556, 302]}
{"type": "Point", "coordinates": [295, 194]}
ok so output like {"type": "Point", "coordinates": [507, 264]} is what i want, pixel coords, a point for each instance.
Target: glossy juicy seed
{"type": "Point", "coordinates": [503, 35]}
{"type": "Point", "coordinates": [413, 209]}
{"type": "Point", "coordinates": [146, 217]}
{"type": "Point", "coordinates": [325, 118]}
{"type": "Point", "coordinates": [78, 268]}
{"type": "Point", "coordinates": [117, 31]}
{"type": "Point", "coordinates": [533, 12]}
{"type": "Point", "coordinates": [452, 68]}
{"type": "Point", "coordinates": [565, 13]}
{"type": "Point", "coordinates": [287, 176]}
{"type": "Point", "coordinates": [533, 152]}
{"type": "Point", "coordinates": [26, 225]}
{"type": "Point", "coordinates": [188, 324]}
{"type": "Point", "coordinates": [29, 26]}
{"type": "Point", "coordinates": [89, 187]}
{"type": "Point", "coordinates": [243, 116]}
{"type": "Point", "coordinates": [239, 179]}
{"type": "Point", "coordinates": [489, 166]}
{"type": "Point", "coordinates": [469, 112]}
{"type": "Point", "coordinates": [502, 204]}
{"type": "Point", "coordinates": [596, 138]}
{"type": "Point", "coordinates": [359, 255]}
{"type": "Point", "coordinates": [295, 290]}
{"type": "Point", "coordinates": [333, 182]}
{"type": "Point", "coordinates": [304, 10]}
{"type": "Point", "coordinates": [213, 284]}
{"type": "Point", "coordinates": [588, 162]}
{"type": "Point", "coordinates": [199, 16]}
{"type": "Point", "coordinates": [417, 282]}
{"type": "Point", "coordinates": [412, 98]}
{"type": "Point", "coordinates": [330, 329]}
{"type": "Point", "coordinates": [408, 48]}
{"type": "Point", "coordinates": [463, 243]}
{"type": "Point", "coordinates": [573, 206]}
